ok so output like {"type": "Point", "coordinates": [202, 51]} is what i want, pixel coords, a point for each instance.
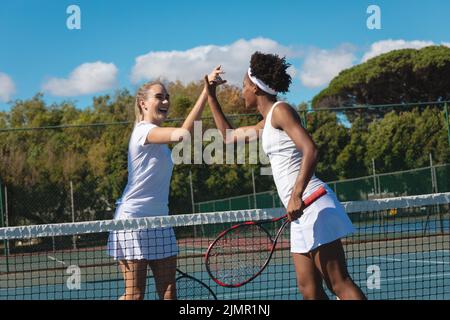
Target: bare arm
{"type": "Point", "coordinates": [285, 118]}
{"type": "Point", "coordinates": [230, 134]}
{"type": "Point", "coordinates": [164, 135]}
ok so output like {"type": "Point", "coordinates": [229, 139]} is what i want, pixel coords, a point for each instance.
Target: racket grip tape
{"type": "Point", "coordinates": [315, 195]}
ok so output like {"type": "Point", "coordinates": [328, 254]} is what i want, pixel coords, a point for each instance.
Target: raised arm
{"type": "Point", "coordinates": [164, 135]}
{"type": "Point", "coordinates": [229, 134]}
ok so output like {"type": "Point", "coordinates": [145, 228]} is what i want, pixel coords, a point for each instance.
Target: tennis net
{"type": "Point", "coordinates": [400, 250]}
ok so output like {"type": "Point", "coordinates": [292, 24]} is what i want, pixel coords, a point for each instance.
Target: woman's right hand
{"type": "Point", "coordinates": [213, 80]}
{"type": "Point", "coordinates": [214, 76]}
{"type": "Point", "coordinates": [210, 86]}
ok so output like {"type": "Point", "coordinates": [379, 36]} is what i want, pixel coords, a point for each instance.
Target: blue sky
{"type": "Point", "coordinates": [184, 39]}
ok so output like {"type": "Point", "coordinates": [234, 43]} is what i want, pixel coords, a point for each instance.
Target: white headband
{"type": "Point", "coordinates": [264, 87]}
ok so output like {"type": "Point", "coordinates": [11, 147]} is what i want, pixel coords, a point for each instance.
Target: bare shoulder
{"type": "Point", "coordinates": [284, 113]}
{"type": "Point", "coordinates": [283, 108]}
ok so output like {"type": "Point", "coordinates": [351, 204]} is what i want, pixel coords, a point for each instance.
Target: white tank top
{"type": "Point", "coordinates": [285, 160]}
{"type": "Point", "coordinates": [149, 172]}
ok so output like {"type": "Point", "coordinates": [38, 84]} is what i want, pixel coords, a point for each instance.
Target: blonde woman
{"type": "Point", "coordinates": [147, 191]}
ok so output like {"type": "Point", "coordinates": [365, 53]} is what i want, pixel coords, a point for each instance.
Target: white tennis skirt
{"type": "Point", "coordinates": [324, 221]}
{"type": "Point", "coordinates": [145, 244]}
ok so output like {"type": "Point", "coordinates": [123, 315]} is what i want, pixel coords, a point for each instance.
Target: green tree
{"type": "Point", "coordinates": [404, 140]}
{"type": "Point", "coordinates": [330, 137]}
{"type": "Point", "coordinates": [350, 161]}
{"type": "Point", "coordinates": [399, 76]}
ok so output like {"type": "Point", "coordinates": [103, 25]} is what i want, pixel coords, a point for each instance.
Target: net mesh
{"type": "Point", "coordinates": [401, 250]}
{"type": "Point", "coordinates": [239, 254]}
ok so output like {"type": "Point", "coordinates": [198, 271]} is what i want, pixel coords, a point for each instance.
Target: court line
{"type": "Point", "coordinates": [409, 253]}
{"type": "Point", "coordinates": [443, 275]}
{"type": "Point", "coordinates": [411, 261]}
{"type": "Point", "coordinates": [430, 261]}
{"type": "Point", "coordinates": [258, 293]}
{"type": "Point", "coordinates": [56, 260]}
{"type": "Point", "coordinates": [423, 252]}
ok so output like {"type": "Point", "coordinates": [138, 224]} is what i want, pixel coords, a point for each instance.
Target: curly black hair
{"type": "Point", "coordinates": [271, 69]}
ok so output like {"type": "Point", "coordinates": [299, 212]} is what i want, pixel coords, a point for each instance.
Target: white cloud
{"type": "Point", "coordinates": [85, 79]}
{"type": "Point", "coordinates": [384, 46]}
{"type": "Point", "coordinates": [7, 87]}
{"type": "Point", "coordinates": [192, 64]}
{"type": "Point", "coordinates": [320, 66]}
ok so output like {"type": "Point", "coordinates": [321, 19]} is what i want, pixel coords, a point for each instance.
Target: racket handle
{"type": "Point", "coordinates": [314, 196]}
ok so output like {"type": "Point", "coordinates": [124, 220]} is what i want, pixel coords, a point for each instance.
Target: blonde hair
{"type": "Point", "coordinates": [142, 95]}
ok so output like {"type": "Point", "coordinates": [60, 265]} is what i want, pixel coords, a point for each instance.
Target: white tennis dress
{"type": "Point", "coordinates": [146, 194]}
{"type": "Point", "coordinates": [322, 222]}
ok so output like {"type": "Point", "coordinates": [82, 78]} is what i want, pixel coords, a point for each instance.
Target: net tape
{"type": "Point", "coordinates": [62, 229]}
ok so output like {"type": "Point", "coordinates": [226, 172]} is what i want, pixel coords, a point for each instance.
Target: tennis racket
{"type": "Point", "coordinates": [241, 253]}
{"type": "Point", "coordinates": [191, 288]}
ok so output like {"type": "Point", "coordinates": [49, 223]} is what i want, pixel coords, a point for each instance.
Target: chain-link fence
{"type": "Point", "coordinates": [75, 201]}
{"type": "Point", "coordinates": [425, 180]}
{"type": "Point", "coordinates": [65, 202]}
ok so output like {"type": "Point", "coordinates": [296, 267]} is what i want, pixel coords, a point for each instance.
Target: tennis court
{"type": "Point", "coordinates": [401, 250]}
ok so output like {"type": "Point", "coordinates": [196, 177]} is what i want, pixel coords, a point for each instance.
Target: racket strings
{"type": "Point", "coordinates": [240, 254]}
{"type": "Point", "coordinates": [191, 289]}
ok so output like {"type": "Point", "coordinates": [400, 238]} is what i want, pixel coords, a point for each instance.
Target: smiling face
{"type": "Point", "coordinates": [156, 105]}
{"type": "Point", "coordinates": [249, 93]}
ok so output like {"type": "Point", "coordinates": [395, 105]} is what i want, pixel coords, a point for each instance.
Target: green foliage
{"type": "Point", "coordinates": [350, 161]}
{"type": "Point", "coordinates": [399, 76]}
{"type": "Point", "coordinates": [405, 140]}
{"type": "Point", "coordinates": [330, 137]}
{"type": "Point", "coordinates": [38, 165]}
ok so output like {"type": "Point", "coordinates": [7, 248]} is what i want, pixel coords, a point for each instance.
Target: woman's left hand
{"type": "Point", "coordinates": [295, 207]}
{"type": "Point", "coordinates": [214, 76]}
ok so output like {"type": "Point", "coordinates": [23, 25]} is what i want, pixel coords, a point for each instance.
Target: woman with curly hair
{"type": "Point", "coordinates": [316, 231]}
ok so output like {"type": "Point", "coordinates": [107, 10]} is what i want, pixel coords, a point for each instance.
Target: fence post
{"type": "Point", "coordinates": [304, 119]}
{"type": "Point", "coordinates": [72, 203]}
{"type": "Point", "coordinates": [2, 221]}
{"type": "Point", "coordinates": [374, 177]}
{"type": "Point", "coordinates": [192, 199]}
{"type": "Point", "coordinates": [447, 121]}
{"type": "Point", "coordinates": [435, 190]}
{"type": "Point", "coordinates": [273, 199]}
{"type": "Point", "coordinates": [192, 191]}
{"type": "Point", "coordinates": [2, 216]}
{"type": "Point", "coordinates": [433, 182]}
{"type": "Point", "coordinates": [254, 188]}
{"type": "Point", "coordinates": [6, 217]}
